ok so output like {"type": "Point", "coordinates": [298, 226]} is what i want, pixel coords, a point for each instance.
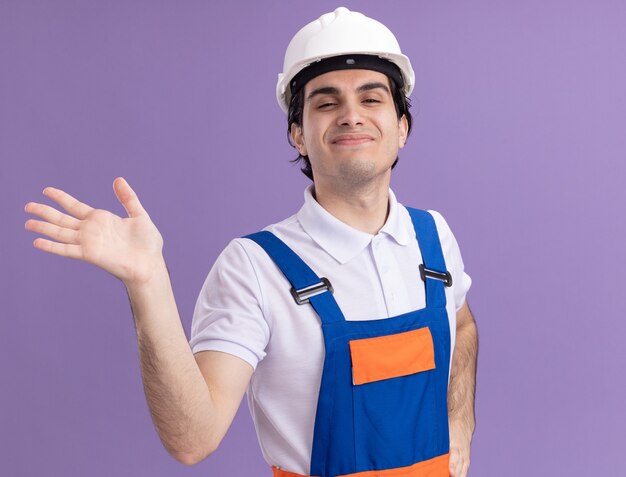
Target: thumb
{"type": "Point", "coordinates": [126, 195]}
{"type": "Point", "coordinates": [453, 462]}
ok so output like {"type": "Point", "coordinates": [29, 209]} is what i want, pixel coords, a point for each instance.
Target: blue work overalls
{"type": "Point", "coordinates": [382, 405]}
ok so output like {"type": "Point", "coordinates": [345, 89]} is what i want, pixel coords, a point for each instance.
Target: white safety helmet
{"type": "Point", "coordinates": [340, 33]}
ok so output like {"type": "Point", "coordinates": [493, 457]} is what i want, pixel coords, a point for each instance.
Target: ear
{"type": "Point", "coordinates": [298, 138]}
{"type": "Point", "coordinates": [403, 131]}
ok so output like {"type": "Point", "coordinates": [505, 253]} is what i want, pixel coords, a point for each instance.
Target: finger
{"type": "Point", "coordinates": [52, 215]}
{"type": "Point", "coordinates": [126, 195]}
{"type": "Point", "coordinates": [466, 466]}
{"type": "Point", "coordinates": [62, 249]}
{"type": "Point", "coordinates": [69, 203]}
{"type": "Point", "coordinates": [458, 471]}
{"type": "Point", "coordinates": [55, 232]}
{"type": "Point", "coordinates": [452, 464]}
{"type": "Point", "coordinates": [464, 470]}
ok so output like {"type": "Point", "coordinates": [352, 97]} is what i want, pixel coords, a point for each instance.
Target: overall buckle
{"type": "Point", "coordinates": [303, 294]}
{"type": "Point", "coordinates": [445, 277]}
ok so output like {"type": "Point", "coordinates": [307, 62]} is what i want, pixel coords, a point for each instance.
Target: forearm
{"type": "Point", "coordinates": [176, 392]}
{"type": "Point", "coordinates": [463, 380]}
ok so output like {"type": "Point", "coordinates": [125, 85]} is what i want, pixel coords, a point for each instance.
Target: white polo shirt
{"type": "Point", "coordinates": [245, 309]}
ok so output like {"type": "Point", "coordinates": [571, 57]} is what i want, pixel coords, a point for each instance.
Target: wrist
{"type": "Point", "coordinates": [461, 432]}
{"type": "Point", "coordinates": [152, 273]}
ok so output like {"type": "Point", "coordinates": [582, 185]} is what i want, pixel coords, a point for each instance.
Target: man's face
{"type": "Point", "coordinates": [350, 129]}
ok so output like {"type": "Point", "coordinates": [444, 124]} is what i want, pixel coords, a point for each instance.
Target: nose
{"type": "Point", "coordinates": [350, 115]}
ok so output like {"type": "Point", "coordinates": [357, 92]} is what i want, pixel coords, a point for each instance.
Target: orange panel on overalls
{"type": "Point", "coordinates": [382, 406]}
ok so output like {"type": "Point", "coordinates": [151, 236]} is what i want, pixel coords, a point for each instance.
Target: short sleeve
{"type": "Point", "coordinates": [228, 315]}
{"type": "Point", "coordinates": [461, 281]}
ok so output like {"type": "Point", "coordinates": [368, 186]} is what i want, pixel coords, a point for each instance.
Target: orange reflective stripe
{"type": "Point", "coordinates": [390, 356]}
{"type": "Point", "coordinates": [435, 467]}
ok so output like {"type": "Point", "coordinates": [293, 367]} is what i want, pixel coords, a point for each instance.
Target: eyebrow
{"type": "Point", "coordinates": [335, 91]}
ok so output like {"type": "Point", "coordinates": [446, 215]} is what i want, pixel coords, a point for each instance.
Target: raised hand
{"type": "Point", "coordinates": [129, 248]}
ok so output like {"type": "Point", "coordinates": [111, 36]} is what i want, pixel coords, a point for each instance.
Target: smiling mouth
{"type": "Point", "coordinates": [352, 139]}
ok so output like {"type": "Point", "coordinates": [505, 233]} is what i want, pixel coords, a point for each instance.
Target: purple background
{"type": "Point", "coordinates": [518, 140]}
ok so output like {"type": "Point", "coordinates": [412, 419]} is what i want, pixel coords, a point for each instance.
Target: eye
{"type": "Point", "coordinates": [371, 101]}
{"type": "Point", "coordinates": [326, 105]}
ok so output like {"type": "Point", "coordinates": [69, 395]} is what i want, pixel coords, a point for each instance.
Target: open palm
{"type": "Point", "coordinates": [127, 247]}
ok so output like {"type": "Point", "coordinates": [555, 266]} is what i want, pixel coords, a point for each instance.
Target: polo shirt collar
{"type": "Point", "coordinates": [340, 240]}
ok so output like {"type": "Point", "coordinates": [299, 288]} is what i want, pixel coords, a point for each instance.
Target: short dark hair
{"type": "Point", "coordinates": [296, 110]}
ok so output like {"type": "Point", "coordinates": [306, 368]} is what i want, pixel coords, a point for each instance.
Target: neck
{"type": "Point", "coordinates": [365, 209]}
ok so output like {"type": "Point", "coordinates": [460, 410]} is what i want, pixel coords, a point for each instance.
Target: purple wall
{"type": "Point", "coordinates": [519, 141]}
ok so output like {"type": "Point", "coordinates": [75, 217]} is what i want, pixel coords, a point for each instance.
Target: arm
{"type": "Point", "coordinates": [461, 392]}
{"type": "Point", "coordinates": [192, 401]}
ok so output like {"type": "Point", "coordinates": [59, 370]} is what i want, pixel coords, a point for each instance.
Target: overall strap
{"type": "Point", "coordinates": [433, 271]}
{"type": "Point", "coordinates": [307, 286]}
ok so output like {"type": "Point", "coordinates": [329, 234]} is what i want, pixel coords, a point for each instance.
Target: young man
{"type": "Point", "coordinates": [339, 321]}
